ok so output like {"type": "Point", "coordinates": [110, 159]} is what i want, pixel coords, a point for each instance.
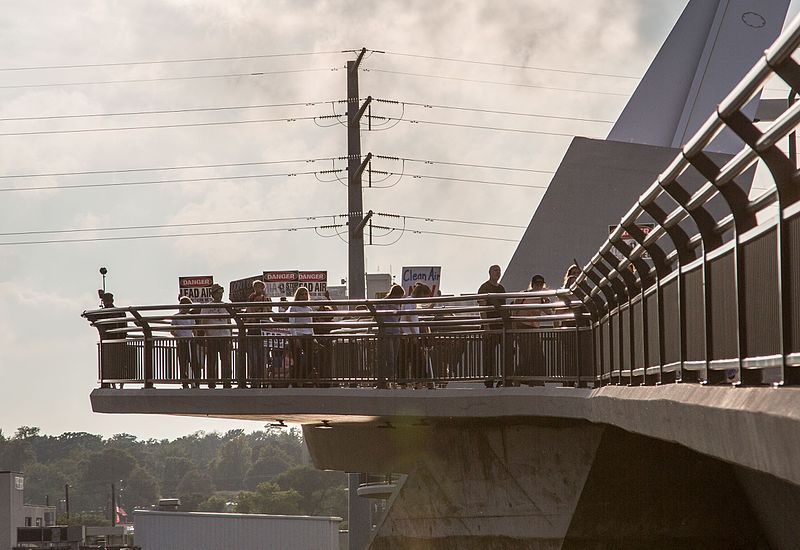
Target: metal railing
{"type": "Point", "coordinates": [492, 338]}
{"type": "Point", "coordinates": [718, 300]}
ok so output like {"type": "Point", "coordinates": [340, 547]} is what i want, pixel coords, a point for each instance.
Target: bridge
{"type": "Point", "coordinates": [652, 403]}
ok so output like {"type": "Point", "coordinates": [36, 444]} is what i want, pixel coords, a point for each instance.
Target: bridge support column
{"type": "Point", "coordinates": [542, 484]}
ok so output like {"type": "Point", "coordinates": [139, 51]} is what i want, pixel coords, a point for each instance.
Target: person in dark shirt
{"type": "Point", "coordinates": [114, 354]}
{"type": "Point", "coordinates": [491, 340]}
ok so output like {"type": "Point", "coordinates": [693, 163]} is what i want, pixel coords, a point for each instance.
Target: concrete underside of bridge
{"type": "Point", "coordinates": [678, 465]}
{"type": "Point", "coordinates": [557, 484]}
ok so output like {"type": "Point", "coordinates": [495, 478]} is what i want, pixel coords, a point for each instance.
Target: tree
{"type": "Point", "coordinates": [322, 493]}
{"type": "Point", "coordinates": [42, 480]}
{"type": "Point", "coordinates": [214, 503]}
{"type": "Point", "coordinates": [140, 489]}
{"type": "Point", "coordinates": [268, 498]}
{"type": "Point", "coordinates": [17, 454]}
{"type": "Point", "coordinates": [194, 488]}
{"type": "Point", "coordinates": [26, 432]}
{"type": "Point", "coordinates": [270, 463]}
{"type": "Point", "coordinates": [174, 468]}
{"type": "Point", "coordinates": [231, 464]}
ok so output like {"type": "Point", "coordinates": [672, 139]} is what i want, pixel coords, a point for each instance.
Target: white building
{"type": "Point", "coordinates": [15, 513]}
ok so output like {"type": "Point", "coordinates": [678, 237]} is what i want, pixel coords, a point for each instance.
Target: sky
{"type": "Point", "coordinates": [47, 351]}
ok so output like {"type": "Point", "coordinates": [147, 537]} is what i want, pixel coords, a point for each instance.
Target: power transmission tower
{"type": "Point", "coordinates": [355, 168]}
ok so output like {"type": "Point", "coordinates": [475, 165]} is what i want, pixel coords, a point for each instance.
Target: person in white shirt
{"type": "Point", "coordinates": [187, 354]}
{"type": "Point", "coordinates": [218, 340]}
{"type": "Point", "coordinates": [302, 344]}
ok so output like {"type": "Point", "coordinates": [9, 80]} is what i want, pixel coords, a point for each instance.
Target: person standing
{"type": "Point", "coordinates": [389, 337]}
{"type": "Point", "coordinates": [255, 341]}
{"type": "Point", "coordinates": [218, 340]}
{"type": "Point", "coordinates": [491, 339]}
{"type": "Point", "coordinates": [187, 355]}
{"type": "Point", "coordinates": [303, 337]}
{"type": "Point", "coordinates": [530, 345]}
{"type": "Point", "coordinates": [114, 354]}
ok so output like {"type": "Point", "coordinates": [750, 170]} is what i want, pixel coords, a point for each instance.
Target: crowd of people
{"type": "Point", "coordinates": [204, 344]}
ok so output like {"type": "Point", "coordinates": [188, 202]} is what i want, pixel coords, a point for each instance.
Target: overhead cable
{"type": "Point", "coordinates": [490, 111]}
{"type": "Point", "coordinates": [171, 111]}
{"type": "Point", "coordinates": [509, 66]}
{"type": "Point", "coordinates": [170, 235]}
{"type": "Point", "coordinates": [168, 61]}
{"type": "Point", "coordinates": [160, 182]}
{"type": "Point", "coordinates": [156, 126]}
{"type": "Point", "coordinates": [478, 81]}
{"type": "Point", "coordinates": [164, 78]}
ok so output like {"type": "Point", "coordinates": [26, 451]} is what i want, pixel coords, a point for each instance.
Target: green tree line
{"type": "Point", "coordinates": [259, 472]}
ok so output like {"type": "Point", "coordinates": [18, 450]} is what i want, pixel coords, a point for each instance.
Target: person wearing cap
{"type": "Point", "coordinates": [218, 339]}
{"type": "Point", "coordinates": [188, 363]}
{"type": "Point", "coordinates": [114, 354]}
{"type": "Point", "coordinates": [529, 344]}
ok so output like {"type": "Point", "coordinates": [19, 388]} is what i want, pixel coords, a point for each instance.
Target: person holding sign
{"type": "Point", "coordinates": [218, 340]}
{"type": "Point", "coordinates": [303, 341]}
{"type": "Point", "coordinates": [255, 342]}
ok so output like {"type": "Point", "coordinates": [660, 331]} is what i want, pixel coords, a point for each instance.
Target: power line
{"type": "Point", "coordinates": [464, 164]}
{"type": "Point", "coordinates": [164, 78]}
{"type": "Point", "coordinates": [431, 219]}
{"type": "Point", "coordinates": [155, 126]}
{"type": "Point", "coordinates": [171, 111]}
{"type": "Point", "coordinates": [161, 226]}
{"type": "Point", "coordinates": [140, 237]}
{"type": "Point", "coordinates": [446, 178]}
{"type": "Point", "coordinates": [490, 111]}
{"type": "Point", "coordinates": [442, 233]}
{"type": "Point", "coordinates": [167, 168]}
{"type": "Point", "coordinates": [509, 66]}
{"type": "Point", "coordinates": [167, 61]}
{"type": "Point", "coordinates": [478, 81]}
{"type": "Point", "coordinates": [481, 127]}
{"type": "Point", "coordinates": [159, 182]}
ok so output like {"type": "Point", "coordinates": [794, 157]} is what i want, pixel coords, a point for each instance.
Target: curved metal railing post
{"type": "Point", "coordinates": [147, 332]}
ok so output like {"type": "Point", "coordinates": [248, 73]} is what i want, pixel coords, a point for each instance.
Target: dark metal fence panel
{"type": "Point", "coordinates": [792, 234]}
{"type": "Point", "coordinates": [616, 339]}
{"type": "Point", "coordinates": [653, 329]}
{"type": "Point", "coordinates": [638, 334]}
{"type": "Point", "coordinates": [625, 338]}
{"type": "Point", "coordinates": [762, 325]}
{"type": "Point", "coordinates": [672, 328]}
{"type": "Point", "coordinates": [694, 316]}
{"type": "Point", "coordinates": [722, 287]}
{"type": "Point", "coordinates": [605, 327]}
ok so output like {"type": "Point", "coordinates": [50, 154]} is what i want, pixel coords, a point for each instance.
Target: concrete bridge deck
{"type": "Point", "coordinates": [758, 428]}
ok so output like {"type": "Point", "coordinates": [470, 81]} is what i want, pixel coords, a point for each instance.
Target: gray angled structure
{"type": "Point", "coordinates": [710, 49]}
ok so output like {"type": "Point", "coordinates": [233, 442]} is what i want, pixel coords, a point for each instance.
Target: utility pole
{"type": "Point", "coordinates": [355, 168]}
{"type": "Point", "coordinates": [66, 499]}
{"type": "Point", "coordinates": [113, 505]}
{"type": "Point", "coordinates": [358, 508]}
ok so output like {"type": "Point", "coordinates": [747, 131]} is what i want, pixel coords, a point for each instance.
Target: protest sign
{"type": "Point", "coordinates": [429, 275]}
{"type": "Point", "coordinates": [197, 288]}
{"type": "Point", "coordinates": [241, 289]}
{"type": "Point", "coordinates": [629, 240]}
{"type": "Point", "coordinates": [316, 282]}
{"type": "Point", "coordinates": [281, 283]}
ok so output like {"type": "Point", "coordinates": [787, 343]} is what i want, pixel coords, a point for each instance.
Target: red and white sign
{"type": "Point", "coordinates": [198, 288]}
{"type": "Point", "coordinates": [285, 283]}
{"type": "Point", "coordinates": [630, 241]}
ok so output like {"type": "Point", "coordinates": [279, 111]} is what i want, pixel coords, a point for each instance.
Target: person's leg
{"type": "Point", "coordinates": [183, 362]}
{"type": "Point", "coordinates": [225, 358]}
{"type": "Point", "coordinates": [212, 349]}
